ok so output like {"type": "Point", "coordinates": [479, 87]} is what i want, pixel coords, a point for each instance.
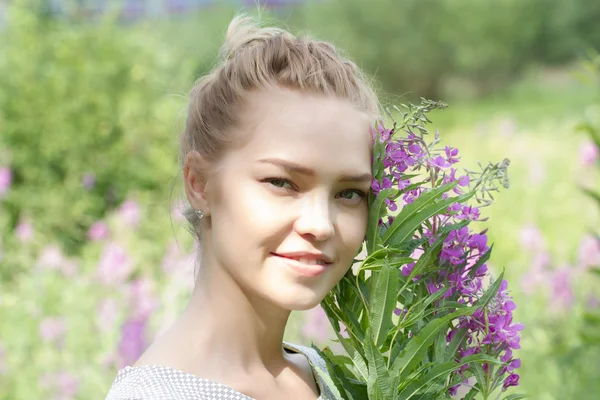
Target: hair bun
{"type": "Point", "coordinates": [244, 32]}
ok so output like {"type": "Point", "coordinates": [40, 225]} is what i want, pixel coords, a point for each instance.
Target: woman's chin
{"type": "Point", "coordinates": [298, 300]}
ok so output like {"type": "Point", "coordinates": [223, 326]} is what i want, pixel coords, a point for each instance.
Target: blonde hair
{"type": "Point", "coordinates": [255, 58]}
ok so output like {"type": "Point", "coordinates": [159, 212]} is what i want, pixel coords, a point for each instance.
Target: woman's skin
{"type": "Point", "coordinates": [233, 327]}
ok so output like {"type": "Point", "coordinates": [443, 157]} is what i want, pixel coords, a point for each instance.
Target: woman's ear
{"type": "Point", "coordinates": [195, 173]}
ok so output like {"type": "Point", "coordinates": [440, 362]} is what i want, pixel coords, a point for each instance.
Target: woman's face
{"type": "Point", "coordinates": [291, 194]}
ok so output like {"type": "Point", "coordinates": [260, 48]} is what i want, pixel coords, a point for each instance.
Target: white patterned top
{"type": "Point", "coordinates": [157, 382]}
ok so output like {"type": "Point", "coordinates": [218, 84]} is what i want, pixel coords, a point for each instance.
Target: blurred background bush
{"type": "Point", "coordinates": [94, 257]}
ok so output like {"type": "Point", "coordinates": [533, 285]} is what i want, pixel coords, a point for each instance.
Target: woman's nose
{"type": "Point", "coordinates": [315, 218]}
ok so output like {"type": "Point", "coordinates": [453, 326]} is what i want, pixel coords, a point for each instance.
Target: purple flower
{"type": "Point", "coordinates": [391, 205]}
{"type": "Point", "coordinates": [439, 162]}
{"type": "Point", "coordinates": [5, 180]}
{"type": "Point", "coordinates": [89, 181]}
{"type": "Point", "coordinates": [133, 342]}
{"type": "Point", "coordinates": [514, 364]}
{"type": "Point", "coordinates": [451, 155]}
{"type": "Point", "coordinates": [416, 150]}
{"type": "Point", "coordinates": [407, 269]}
{"type": "Point", "coordinates": [503, 331]}
{"type": "Point", "coordinates": [384, 134]}
{"type": "Point", "coordinates": [511, 380]}
{"type": "Point", "coordinates": [375, 186]}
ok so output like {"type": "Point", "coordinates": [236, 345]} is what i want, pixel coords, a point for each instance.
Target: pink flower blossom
{"type": "Point", "coordinates": [98, 231]}
{"type": "Point", "coordinates": [130, 213]}
{"type": "Point", "coordinates": [589, 252]}
{"type": "Point", "coordinates": [142, 298]}
{"type": "Point", "coordinates": [531, 238]}
{"type": "Point", "coordinates": [538, 276]}
{"type": "Point", "coordinates": [51, 257]}
{"type": "Point", "coordinates": [115, 265]}
{"type": "Point", "coordinates": [5, 180]}
{"type": "Point", "coordinates": [588, 153]}
{"type": "Point", "coordinates": [562, 290]}
{"type": "Point", "coordinates": [316, 325]}
{"type": "Point", "coordinates": [24, 231]}
{"type": "Point", "coordinates": [67, 385]}
{"type": "Point", "coordinates": [52, 329]}
{"type": "Point", "coordinates": [63, 384]}
{"type": "Point", "coordinates": [107, 314]}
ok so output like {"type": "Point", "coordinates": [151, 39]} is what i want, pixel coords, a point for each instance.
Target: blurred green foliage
{"type": "Point", "coordinates": [77, 100]}
{"type": "Point", "coordinates": [591, 73]}
{"type": "Point", "coordinates": [413, 46]}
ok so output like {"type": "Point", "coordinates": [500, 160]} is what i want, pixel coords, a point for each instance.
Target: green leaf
{"type": "Point", "coordinates": [383, 303]}
{"type": "Point", "coordinates": [341, 376]}
{"type": "Point", "coordinates": [411, 210]}
{"type": "Point", "coordinates": [471, 395]}
{"type": "Point", "coordinates": [378, 384]}
{"type": "Point", "coordinates": [490, 293]}
{"type": "Point", "coordinates": [516, 397]}
{"type": "Point", "coordinates": [479, 374]}
{"type": "Point", "coordinates": [406, 231]}
{"type": "Point", "coordinates": [483, 259]}
{"type": "Point", "coordinates": [593, 195]}
{"type": "Point", "coordinates": [329, 381]}
{"type": "Point", "coordinates": [417, 310]}
{"type": "Point", "coordinates": [455, 343]}
{"type": "Point", "coordinates": [439, 347]}
{"type": "Point", "coordinates": [441, 371]}
{"type": "Point", "coordinates": [357, 359]}
{"type": "Point", "coordinates": [427, 258]}
{"type": "Point", "coordinates": [418, 345]}
{"type": "Point", "coordinates": [375, 213]}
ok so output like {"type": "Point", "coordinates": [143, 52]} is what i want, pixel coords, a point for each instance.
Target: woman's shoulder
{"type": "Point", "coordinates": [313, 357]}
{"type": "Point", "coordinates": [319, 368]}
{"type": "Point", "coordinates": [157, 382]}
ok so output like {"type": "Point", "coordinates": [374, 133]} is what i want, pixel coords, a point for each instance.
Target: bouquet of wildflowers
{"type": "Point", "coordinates": [413, 316]}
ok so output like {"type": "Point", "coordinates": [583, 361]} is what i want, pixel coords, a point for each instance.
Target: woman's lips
{"type": "Point", "coordinates": [303, 268]}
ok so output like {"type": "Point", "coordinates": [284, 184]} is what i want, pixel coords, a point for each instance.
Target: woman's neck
{"type": "Point", "coordinates": [226, 322]}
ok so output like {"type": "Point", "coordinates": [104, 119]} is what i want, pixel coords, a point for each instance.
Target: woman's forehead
{"type": "Point", "coordinates": [306, 128]}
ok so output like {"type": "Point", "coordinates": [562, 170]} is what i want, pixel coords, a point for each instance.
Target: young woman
{"type": "Point", "coordinates": [276, 159]}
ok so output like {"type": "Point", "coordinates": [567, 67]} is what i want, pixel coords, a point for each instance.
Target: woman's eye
{"type": "Point", "coordinates": [279, 182]}
{"type": "Point", "coordinates": [347, 194]}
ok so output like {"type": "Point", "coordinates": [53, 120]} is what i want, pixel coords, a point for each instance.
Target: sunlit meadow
{"type": "Point", "coordinates": [88, 280]}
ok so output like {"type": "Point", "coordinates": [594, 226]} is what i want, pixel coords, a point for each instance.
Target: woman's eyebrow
{"type": "Point", "coordinates": [299, 169]}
